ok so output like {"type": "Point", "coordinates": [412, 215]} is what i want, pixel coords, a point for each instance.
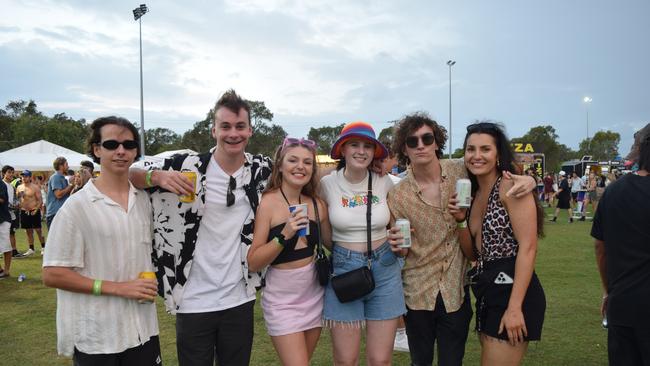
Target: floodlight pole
{"type": "Point", "coordinates": [450, 63]}
{"type": "Point", "coordinates": [587, 101]}
{"type": "Point", "coordinates": [137, 14]}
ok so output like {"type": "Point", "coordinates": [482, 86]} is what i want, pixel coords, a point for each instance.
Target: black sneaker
{"type": "Point", "coordinates": [554, 219]}
{"type": "Point", "coordinates": [570, 220]}
{"type": "Point", "coordinates": [19, 256]}
{"type": "Point", "coordinates": [582, 219]}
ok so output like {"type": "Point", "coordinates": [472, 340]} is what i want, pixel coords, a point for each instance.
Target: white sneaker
{"type": "Point", "coordinates": [401, 341]}
{"type": "Point", "coordinates": [29, 252]}
{"type": "Point", "coordinates": [42, 251]}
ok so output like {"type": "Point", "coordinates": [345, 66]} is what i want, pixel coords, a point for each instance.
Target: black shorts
{"type": "Point", "coordinates": [493, 303]}
{"type": "Point", "coordinates": [30, 221]}
{"type": "Point", "coordinates": [147, 354]}
{"type": "Point", "coordinates": [574, 196]}
{"type": "Point", "coordinates": [564, 202]}
{"type": "Point", "coordinates": [15, 224]}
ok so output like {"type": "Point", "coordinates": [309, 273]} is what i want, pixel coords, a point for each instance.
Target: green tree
{"type": "Point", "coordinates": [259, 113]}
{"type": "Point", "coordinates": [158, 140]}
{"type": "Point", "coordinates": [458, 153]}
{"type": "Point", "coordinates": [67, 132]}
{"type": "Point", "coordinates": [199, 138]}
{"type": "Point", "coordinates": [266, 139]}
{"type": "Point", "coordinates": [325, 137]}
{"type": "Point", "coordinates": [6, 135]}
{"type": "Point", "coordinates": [602, 146]}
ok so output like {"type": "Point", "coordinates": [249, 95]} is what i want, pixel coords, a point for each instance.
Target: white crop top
{"type": "Point", "coordinates": [347, 206]}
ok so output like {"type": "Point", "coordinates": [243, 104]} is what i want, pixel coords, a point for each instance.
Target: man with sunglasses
{"type": "Point", "coordinates": [200, 247]}
{"type": "Point", "coordinates": [58, 189]}
{"type": "Point", "coordinates": [437, 300]}
{"type": "Point", "coordinates": [97, 248]}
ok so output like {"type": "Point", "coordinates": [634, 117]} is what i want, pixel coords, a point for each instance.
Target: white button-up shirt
{"type": "Point", "coordinates": [95, 237]}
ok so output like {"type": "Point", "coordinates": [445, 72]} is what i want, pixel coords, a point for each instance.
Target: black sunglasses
{"type": "Point", "coordinates": [230, 195]}
{"type": "Point", "coordinates": [482, 126]}
{"type": "Point", "coordinates": [114, 144]}
{"type": "Point", "coordinates": [427, 140]}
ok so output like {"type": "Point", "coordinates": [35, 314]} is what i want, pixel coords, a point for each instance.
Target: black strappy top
{"type": "Point", "coordinates": [289, 253]}
{"type": "Point", "coordinates": [497, 235]}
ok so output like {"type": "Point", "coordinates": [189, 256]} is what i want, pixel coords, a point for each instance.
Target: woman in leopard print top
{"type": "Point", "coordinates": [501, 236]}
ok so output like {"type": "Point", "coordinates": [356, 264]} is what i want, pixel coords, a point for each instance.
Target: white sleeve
{"type": "Point", "coordinates": [65, 243]}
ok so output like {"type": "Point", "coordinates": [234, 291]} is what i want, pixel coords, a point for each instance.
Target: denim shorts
{"type": "Point", "coordinates": [385, 302]}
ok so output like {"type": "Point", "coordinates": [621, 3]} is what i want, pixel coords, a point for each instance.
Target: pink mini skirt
{"type": "Point", "coordinates": [292, 300]}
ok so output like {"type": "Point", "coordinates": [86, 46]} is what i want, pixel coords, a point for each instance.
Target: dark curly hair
{"type": "Point", "coordinates": [411, 123]}
{"type": "Point", "coordinates": [96, 134]}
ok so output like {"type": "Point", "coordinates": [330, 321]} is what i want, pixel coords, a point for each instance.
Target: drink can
{"type": "Point", "coordinates": [304, 231]}
{"type": "Point", "coordinates": [464, 192]}
{"type": "Point", "coordinates": [187, 198]}
{"type": "Point", "coordinates": [21, 277]}
{"type": "Point", "coordinates": [147, 275]}
{"type": "Point", "coordinates": [404, 226]}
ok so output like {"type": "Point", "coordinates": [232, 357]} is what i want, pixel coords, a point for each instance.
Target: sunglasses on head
{"type": "Point", "coordinates": [114, 144]}
{"type": "Point", "coordinates": [427, 140]}
{"type": "Point", "coordinates": [482, 126]}
{"type": "Point", "coordinates": [230, 194]}
{"type": "Point", "coordinates": [292, 141]}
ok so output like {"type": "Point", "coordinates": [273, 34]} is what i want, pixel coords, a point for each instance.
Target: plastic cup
{"type": "Point", "coordinates": [304, 231]}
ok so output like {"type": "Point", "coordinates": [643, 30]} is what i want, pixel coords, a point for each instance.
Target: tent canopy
{"type": "Point", "coordinates": [39, 156]}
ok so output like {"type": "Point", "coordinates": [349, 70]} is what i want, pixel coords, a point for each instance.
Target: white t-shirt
{"type": "Point", "coordinates": [94, 236]}
{"type": "Point", "coordinates": [347, 206]}
{"type": "Point", "coordinates": [11, 195]}
{"type": "Point", "coordinates": [576, 184]}
{"type": "Point", "coordinates": [216, 282]}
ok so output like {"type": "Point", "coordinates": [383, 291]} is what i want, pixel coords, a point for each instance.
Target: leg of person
{"type": "Point", "coordinates": [452, 331]}
{"type": "Point", "coordinates": [346, 343]}
{"type": "Point", "coordinates": [421, 332]}
{"type": "Point", "coordinates": [235, 335]}
{"type": "Point", "coordinates": [41, 238]}
{"type": "Point", "coordinates": [196, 336]}
{"type": "Point", "coordinates": [643, 341]}
{"type": "Point", "coordinates": [622, 346]}
{"type": "Point", "coordinates": [311, 338]}
{"type": "Point", "coordinates": [147, 354]}
{"type": "Point", "coordinates": [380, 335]}
{"type": "Point", "coordinates": [497, 352]}
{"type": "Point", "coordinates": [5, 248]}
{"type": "Point", "coordinates": [30, 238]}
{"type": "Point", "coordinates": [292, 349]}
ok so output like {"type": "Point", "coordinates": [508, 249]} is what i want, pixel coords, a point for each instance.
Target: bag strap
{"type": "Point", "coordinates": [368, 217]}
{"type": "Point", "coordinates": [319, 245]}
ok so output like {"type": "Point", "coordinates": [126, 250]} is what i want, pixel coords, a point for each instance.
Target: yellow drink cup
{"type": "Point", "coordinates": [187, 198]}
{"type": "Point", "coordinates": [147, 275]}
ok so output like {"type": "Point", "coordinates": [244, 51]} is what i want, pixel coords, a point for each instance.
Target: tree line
{"type": "Point", "coordinates": [21, 122]}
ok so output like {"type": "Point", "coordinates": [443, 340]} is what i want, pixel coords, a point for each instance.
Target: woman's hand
{"type": "Point", "coordinates": [297, 220]}
{"type": "Point", "coordinates": [459, 214]}
{"type": "Point", "coordinates": [513, 322]}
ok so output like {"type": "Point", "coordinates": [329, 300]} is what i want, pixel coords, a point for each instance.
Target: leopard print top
{"type": "Point", "coordinates": [496, 231]}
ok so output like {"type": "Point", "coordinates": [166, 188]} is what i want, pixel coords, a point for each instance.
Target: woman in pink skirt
{"type": "Point", "coordinates": [285, 238]}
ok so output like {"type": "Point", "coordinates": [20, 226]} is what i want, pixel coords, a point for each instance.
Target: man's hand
{"type": "Point", "coordinates": [140, 289]}
{"type": "Point", "coordinates": [523, 184]}
{"type": "Point", "coordinates": [395, 239]}
{"type": "Point", "coordinates": [172, 181]}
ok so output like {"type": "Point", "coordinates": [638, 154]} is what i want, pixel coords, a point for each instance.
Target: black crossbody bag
{"type": "Point", "coordinates": [323, 267]}
{"type": "Point", "coordinates": [353, 285]}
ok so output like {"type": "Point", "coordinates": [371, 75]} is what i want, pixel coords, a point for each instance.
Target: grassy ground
{"type": "Point", "coordinates": [572, 333]}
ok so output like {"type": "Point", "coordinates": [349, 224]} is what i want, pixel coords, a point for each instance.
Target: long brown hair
{"type": "Point", "coordinates": [310, 189]}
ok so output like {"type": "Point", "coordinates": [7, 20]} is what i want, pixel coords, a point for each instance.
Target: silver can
{"type": "Point", "coordinates": [464, 192]}
{"type": "Point", "coordinates": [404, 226]}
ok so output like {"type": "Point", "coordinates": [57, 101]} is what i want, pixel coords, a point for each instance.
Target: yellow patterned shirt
{"type": "Point", "coordinates": [435, 263]}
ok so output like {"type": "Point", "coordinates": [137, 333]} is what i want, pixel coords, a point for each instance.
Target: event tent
{"type": "Point", "coordinates": [39, 156]}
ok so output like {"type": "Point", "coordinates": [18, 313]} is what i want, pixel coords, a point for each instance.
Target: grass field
{"type": "Point", "coordinates": [566, 267]}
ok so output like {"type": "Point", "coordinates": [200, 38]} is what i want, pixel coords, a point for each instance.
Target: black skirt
{"type": "Point", "coordinates": [492, 294]}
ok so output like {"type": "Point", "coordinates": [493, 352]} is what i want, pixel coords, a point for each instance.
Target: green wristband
{"type": "Point", "coordinates": [97, 287]}
{"type": "Point", "coordinates": [462, 224]}
{"type": "Point", "coordinates": [147, 179]}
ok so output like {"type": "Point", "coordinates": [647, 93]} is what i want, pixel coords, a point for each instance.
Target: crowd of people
{"type": "Point", "coordinates": [217, 226]}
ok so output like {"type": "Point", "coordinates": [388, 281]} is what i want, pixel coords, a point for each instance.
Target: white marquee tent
{"type": "Point", "coordinates": [39, 156]}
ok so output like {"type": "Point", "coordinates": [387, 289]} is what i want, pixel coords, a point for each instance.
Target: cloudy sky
{"type": "Point", "coordinates": [318, 63]}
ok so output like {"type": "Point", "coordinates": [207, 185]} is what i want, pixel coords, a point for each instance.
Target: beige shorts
{"type": "Point", "coordinates": [5, 244]}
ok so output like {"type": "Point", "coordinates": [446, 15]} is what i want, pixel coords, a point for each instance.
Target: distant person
{"type": "Point", "coordinates": [31, 201]}
{"type": "Point", "coordinates": [8, 178]}
{"type": "Point", "coordinates": [88, 165]}
{"type": "Point", "coordinates": [622, 238]}
{"type": "Point", "coordinates": [58, 189]}
{"type": "Point", "coordinates": [5, 226]}
{"type": "Point", "coordinates": [548, 189]}
{"type": "Point", "coordinates": [98, 245]}
{"type": "Point", "coordinates": [563, 198]}
{"type": "Point", "coordinates": [576, 188]}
